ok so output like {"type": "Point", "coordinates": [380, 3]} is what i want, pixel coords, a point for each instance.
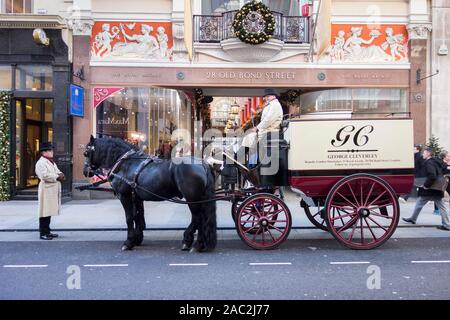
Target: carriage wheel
{"type": "Point", "coordinates": [234, 209]}
{"type": "Point", "coordinates": [362, 211]}
{"type": "Point", "coordinates": [315, 217]}
{"type": "Point", "coordinates": [263, 221]}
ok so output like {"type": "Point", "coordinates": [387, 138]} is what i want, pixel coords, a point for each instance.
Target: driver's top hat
{"type": "Point", "coordinates": [45, 146]}
{"type": "Point", "coordinates": [270, 92]}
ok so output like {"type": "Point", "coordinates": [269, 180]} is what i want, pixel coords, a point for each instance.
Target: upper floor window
{"type": "Point", "coordinates": [17, 6]}
{"type": "Point", "coordinates": [5, 77]}
{"type": "Point", "coordinates": [34, 77]}
{"type": "Point", "coordinates": [286, 7]}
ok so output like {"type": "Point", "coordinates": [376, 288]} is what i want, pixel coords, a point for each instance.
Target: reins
{"type": "Point", "coordinates": [133, 184]}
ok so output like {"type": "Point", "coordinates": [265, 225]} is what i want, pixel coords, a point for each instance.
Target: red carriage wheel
{"type": "Point", "coordinates": [362, 211]}
{"type": "Point", "coordinates": [234, 209]}
{"type": "Point", "coordinates": [263, 221]}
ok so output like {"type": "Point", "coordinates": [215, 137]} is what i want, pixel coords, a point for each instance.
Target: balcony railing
{"type": "Point", "coordinates": [289, 29]}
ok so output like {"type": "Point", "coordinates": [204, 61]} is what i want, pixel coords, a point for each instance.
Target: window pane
{"type": "Point", "coordinates": [33, 109]}
{"type": "Point", "coordinates": [48, 103]}
{"type": "Point", "coordinates": [220, 6]}
{"type": "Point", "coordinates": [8, 7]}
{"type": "Point", "coordinates": [326, 101]}
{"type": "Point", "coordinates": [27, 6]}
{"type": "Point", "coordinates": [5, 77]}
{"type": "Point", "coordinates": [379, 100]}
{"type": "Point", "coordinates": [18, 6]}
{"type": "Point", "coordinates": [34, 77]}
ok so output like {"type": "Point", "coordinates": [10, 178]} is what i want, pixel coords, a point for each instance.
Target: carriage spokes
{"type": "Point", "coordinates": [263, 221]}
{"type": "Point", "coordinates": [374, 214]}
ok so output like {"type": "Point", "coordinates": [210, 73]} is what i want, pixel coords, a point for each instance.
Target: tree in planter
{"type": "Point", "coordinates": [433, 144]}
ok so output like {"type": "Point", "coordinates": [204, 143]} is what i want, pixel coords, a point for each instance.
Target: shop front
{"type": "Point", "coordinates": [37, 77]}
{"type": "Point", "coordinates": [148, 117]}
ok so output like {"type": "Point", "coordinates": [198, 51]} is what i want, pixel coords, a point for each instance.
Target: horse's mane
{"type": "Point", "coordinates": [113, 148]}
{"type": "Point", "coordinates": [121, 143]}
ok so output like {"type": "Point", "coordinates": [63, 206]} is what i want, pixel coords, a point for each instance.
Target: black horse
{"type": "Point", "coordinates": [135, 177]}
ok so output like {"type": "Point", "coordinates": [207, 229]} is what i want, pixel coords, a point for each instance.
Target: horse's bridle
{"type": "Point", "coordinates": [92, 169]}
{"type": "Point", "coordinates": [88, 154]}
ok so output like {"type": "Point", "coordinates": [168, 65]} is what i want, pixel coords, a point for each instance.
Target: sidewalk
{"type": "Point", "coordinates": [92, 215]}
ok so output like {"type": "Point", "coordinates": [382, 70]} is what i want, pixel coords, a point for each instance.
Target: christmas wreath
{"type": "Point", "coordinates": [254, 23]}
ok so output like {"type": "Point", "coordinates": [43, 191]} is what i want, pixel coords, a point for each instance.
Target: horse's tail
{"type": "Point", "coordinates": [209, 223]}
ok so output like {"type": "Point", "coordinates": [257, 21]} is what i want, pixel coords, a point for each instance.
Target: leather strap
{"type": "Point", "coordinates": [119, 162]}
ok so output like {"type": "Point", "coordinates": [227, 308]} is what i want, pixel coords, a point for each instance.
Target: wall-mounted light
{"type": "Point", "coordinates": [443, 50]}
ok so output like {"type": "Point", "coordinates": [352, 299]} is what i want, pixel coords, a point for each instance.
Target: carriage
{"type": "Point", "coordinates": [348, 174]}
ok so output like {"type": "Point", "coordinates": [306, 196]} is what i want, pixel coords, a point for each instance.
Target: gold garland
{"type": "Point", "coordinates": [5, 102]}
{"type": "Point", "coordinates": [201, 102]}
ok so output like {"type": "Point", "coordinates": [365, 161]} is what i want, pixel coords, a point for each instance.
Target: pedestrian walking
{"type": "Point", "coordinates": [445, 157]}
{"type": "Point", "coordinates": [432, 189]}
{"type": "Point", "coordinates": [418, 170]}
{"type": "Point", "coordinates": [49, 194]}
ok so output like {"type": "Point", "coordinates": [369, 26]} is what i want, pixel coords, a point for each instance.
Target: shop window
{"type": "Point", "coordinates": [327, 101]}
{"type": "Point", "coordinates": [379, 101]}
{"type": "Point", "coordinates": [34, 77]}
{"type": "Point", "coordinates": [17, 6]}
{"type": "Point", "coordinates": [5, 77]}
{"type": "Point", "coordinates": [364, 102]}
{"type": "Point", "coordinates": [155, 119]}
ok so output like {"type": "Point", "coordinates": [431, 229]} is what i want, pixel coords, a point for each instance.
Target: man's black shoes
{"type": "Point", "coordinates": [53, 235]}
{"type": "Point", "coordinates": [46, 237]}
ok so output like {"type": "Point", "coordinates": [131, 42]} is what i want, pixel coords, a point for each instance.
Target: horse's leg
{"type": "Point", "coordinates": [188, 237]}
{"type": "Point", "coordinates": [127, 203]}
{"type": "Point", "coordinates": [139, 222]}
{"type": "Point", "coordinates": [198, 220]}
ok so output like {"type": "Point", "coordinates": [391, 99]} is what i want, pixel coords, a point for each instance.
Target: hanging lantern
{"type": "Point", "coordinates": [235, 108]}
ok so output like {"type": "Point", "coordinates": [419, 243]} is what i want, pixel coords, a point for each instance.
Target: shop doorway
{"type": "Point", "coordinates": [33, 125]}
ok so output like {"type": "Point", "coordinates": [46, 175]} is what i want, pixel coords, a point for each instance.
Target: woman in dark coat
{"type": "Point", "coordinates": [433, 169]}
{"type": "Point", "coordinates": [418, 171]}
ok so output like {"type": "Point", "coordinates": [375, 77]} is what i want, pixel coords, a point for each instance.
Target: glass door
{"type": "Point", "coordinates": [33, 125]}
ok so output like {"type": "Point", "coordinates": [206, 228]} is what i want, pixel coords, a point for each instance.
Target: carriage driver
{"type": "Point", "coordinates": [271, 118]}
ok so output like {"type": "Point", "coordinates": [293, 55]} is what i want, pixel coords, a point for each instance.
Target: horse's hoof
{"type": "Point", "coordinates": [193, 250]}
{"type": "Point", "coordinates": [126, 248]}
{"type": "Point", "coordinates": [185, 247]}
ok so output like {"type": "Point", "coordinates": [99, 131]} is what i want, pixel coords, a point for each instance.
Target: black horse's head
{"type": "Point", "coordinates": [103, 153]}
{"type": "Point", "coordinates": [91, 164]}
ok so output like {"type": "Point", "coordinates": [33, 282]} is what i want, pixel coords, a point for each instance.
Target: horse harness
{"type": "Point", "coordinates": [133, 182]}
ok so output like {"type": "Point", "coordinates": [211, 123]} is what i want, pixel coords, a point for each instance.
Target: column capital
{"type": "Point", "coordinates": [417, 31]}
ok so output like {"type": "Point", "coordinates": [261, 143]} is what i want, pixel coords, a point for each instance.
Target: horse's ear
{"type": "Point", "coordinates": [92, 139]}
